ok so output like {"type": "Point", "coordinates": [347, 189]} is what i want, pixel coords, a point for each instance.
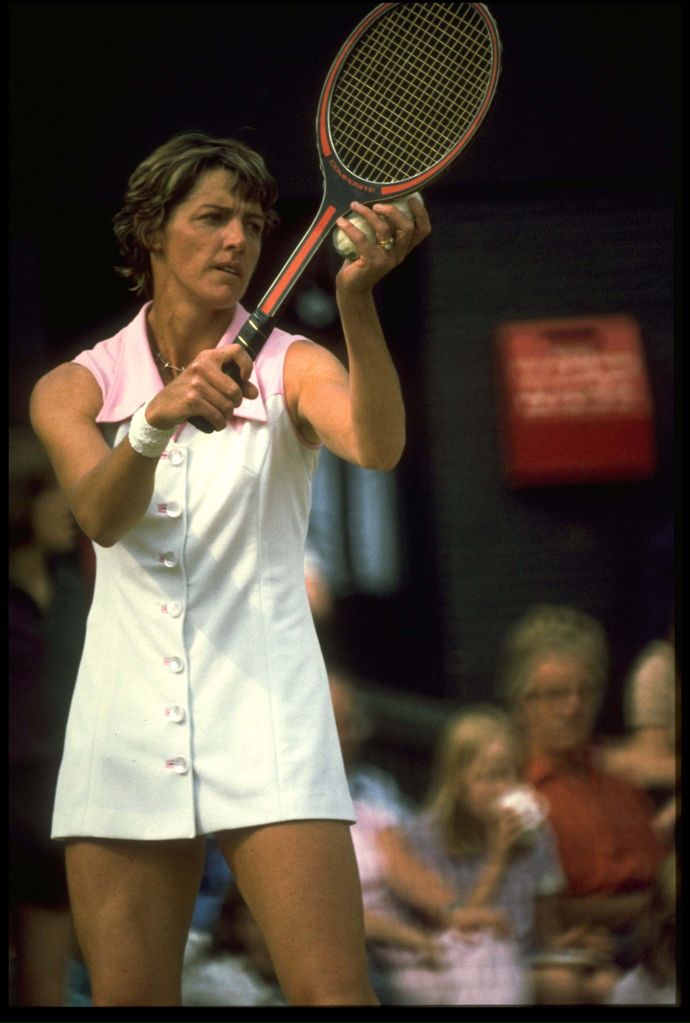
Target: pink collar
{"type": "Point", "coordinates": [129, 376]}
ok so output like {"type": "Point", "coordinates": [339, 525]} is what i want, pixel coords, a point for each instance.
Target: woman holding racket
{"type": "Point", "coordinates": [202, 702]}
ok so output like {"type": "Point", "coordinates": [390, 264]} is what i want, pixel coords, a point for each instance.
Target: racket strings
{"type": "Point", "coordinates": [416, 89]}
{"type": "Point", "coordinates": [412, 86]}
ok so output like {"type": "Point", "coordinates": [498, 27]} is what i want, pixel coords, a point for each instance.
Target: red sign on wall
{"type": "Point", "coordinates": [575, 401]}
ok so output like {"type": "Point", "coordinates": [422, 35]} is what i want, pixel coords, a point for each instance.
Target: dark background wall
{"type": "Point", "coordinates": [556, 252]}
{"type": "Point", "coordinates": [562, 205]}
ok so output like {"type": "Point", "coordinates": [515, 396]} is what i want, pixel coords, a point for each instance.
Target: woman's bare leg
{"type": "Point", "coordinates": [132, 903]}
{"type": "Point", "coordinates": [300, 881]}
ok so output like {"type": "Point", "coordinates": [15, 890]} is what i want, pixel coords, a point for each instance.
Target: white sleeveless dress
{"type": "Point", "coordinates": [202, 700]}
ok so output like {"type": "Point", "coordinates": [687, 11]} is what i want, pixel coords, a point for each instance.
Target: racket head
{"type": "Point", "coordinates": [406, 94]}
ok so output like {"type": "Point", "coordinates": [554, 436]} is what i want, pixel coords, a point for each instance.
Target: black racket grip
{"type": "Point", "coordinates": [231, 370]}
{"type": "Point", "coordinates": [252, 337]}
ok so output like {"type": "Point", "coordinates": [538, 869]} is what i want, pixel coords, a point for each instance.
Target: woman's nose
{"type": "Point", "coordinates": [574, 701]}
{"type": "Point", "coordinates": [234, 235]}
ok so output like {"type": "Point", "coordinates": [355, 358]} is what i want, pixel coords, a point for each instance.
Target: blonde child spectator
{"type": "Point", "coordinates": [485, 834]}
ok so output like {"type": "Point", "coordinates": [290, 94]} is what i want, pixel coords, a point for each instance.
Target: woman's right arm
{"type": "Point", "coordinates": [109, 489]}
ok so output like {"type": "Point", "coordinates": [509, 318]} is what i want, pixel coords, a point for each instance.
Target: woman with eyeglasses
{"type": "Point", "coordinates": [554, 671]}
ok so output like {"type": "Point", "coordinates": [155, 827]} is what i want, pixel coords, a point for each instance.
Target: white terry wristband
{"type": "Point", "coordinates": [146, 439]}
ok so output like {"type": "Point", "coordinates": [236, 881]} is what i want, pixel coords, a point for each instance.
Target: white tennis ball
{"type": "Point", "coordinates": [343, 245]}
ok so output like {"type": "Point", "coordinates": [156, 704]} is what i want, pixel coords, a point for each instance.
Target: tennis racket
{"type": "Point", "coordinates": [404, 96]}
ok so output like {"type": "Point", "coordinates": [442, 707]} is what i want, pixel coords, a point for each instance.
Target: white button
{"type": "Point", "coordinates": [174, 663]}
{"type": "Point", "coordinates": [176, 456]}
{"type": "Point", "coordinates": [174, 608]}
{"type": "Point", "coordinates": [172, 509]}
{"type": "Point", "coordinates": [175, 713]}
{"type": "Point", "coordinates": [168, 559]}
{"type": "Point", "coordinates": [178, 764]}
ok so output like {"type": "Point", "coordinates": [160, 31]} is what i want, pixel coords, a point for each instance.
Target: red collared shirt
{"type": "Point", "coordinates": [602, 827]}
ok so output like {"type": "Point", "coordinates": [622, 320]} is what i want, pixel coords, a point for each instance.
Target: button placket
{"type": "Point", "coordinates": [170, 505]}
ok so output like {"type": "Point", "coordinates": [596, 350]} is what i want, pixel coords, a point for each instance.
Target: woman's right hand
{"type": "Point", "coordinates": [204, 389]}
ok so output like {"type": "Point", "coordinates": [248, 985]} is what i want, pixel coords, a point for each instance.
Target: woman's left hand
{"type": "Point", "coordinates": [395, 235]}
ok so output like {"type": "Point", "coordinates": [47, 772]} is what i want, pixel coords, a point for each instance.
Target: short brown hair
{"type": "Point", "coordinates": [547, 629]}
{"type": "Point", "coordinates": [162, 181]}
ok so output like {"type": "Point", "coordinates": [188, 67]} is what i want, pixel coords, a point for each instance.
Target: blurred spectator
{"type": "Point", "coordinates": [648, 755]}
{"type": "Point", "coordinates": [417, 957]}
{"type": "Point", "coordinates": [555, 665]}
{"type": "Point", "coordinates": [368, 784]}
{"type": "Point", "coordinates": [653, 981]}
{"type": "Point", "coordinates": [485, 833]}
{"type": "Point", "coordinates": [379, 804]}
{"type": "Point", "coordinates": [229, 965]}
{"type": "Point", "coordinates": [437, 933]}
{"type": "Point", "coordinates": [46, 623]}
{"type": "Point", "coordinates": [213, 890]}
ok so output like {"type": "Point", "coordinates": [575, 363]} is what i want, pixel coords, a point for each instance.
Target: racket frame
{"type": "Point", "coordinates": [341, 187]}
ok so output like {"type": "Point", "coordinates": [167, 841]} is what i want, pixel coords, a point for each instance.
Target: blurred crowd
{"type": "Point", "coordinates": [540, 868]}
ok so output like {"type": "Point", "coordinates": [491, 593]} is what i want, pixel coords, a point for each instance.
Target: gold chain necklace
{"type": "Point", "coordinates": [169, 365]}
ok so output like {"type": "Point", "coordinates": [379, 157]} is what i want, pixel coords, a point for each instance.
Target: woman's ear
{"type": "Point", "coordinates": [153, 239]}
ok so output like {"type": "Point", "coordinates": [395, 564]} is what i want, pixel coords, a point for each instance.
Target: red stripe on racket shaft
{"type": "Point", "coordinates": [257, 328]}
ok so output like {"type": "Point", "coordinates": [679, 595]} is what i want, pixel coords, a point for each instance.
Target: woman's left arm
{"type": "Point", "coordinates": [358, 413]}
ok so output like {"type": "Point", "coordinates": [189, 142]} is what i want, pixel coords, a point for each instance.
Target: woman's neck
{"type": "Point", "coordinates": [178, 333]}
{"type": "Point", "coordinates": [574, 760]}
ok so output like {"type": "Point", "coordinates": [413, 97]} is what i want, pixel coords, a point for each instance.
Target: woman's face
{"type": "Point", "coordinates": [492, 772]}
{"type": "Point", "coordinates": [207, 251]}
{"type": "Point", "coordinates": [560, 705]}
